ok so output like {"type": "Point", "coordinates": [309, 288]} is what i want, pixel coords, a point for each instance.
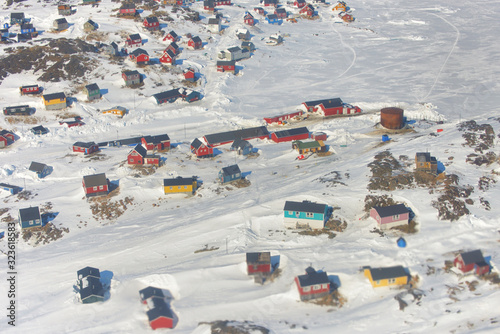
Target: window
{"type": "Point", "coordinates": [101, 187]}
{"type": "Point", "coordinates": [31, 222]}
{"type": "Point", "coordinates": [377, 282]}
{"type": "Point", "coordinates": [306, 289]}
{"type": "Point", "coordinates": [316, 287]}
{"type": "Point", "coordinates": [395, 217]}
{"type": "Point", "coordinates": [185, 187]}
{"type": "Point", "coordinates": [171, 188]}
{"type": "Point", "coordinates": [237, 175]}
{"type": "Point", "coordinates": [309, 214]}
{"type": "Point", "coordinates": [297, 214]}
{"type": "Point", "coordinates": [94, 188]}
{"type": "Point", "coordinates": [290, 213]}
{"type": "Point", "coordinates": [392, 280]}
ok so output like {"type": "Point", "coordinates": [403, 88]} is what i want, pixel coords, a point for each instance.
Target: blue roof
{"type": "Point", "coordinates": [231, 170]}
{"type": "Point", "coordinates": [386, 273]}
{"type": "Point", "coordinates": [305, 206]}
{"type": "Point", "coordinates": [291, 132]}
{"type": "Point", "coordinates": [160, 309]}
{"type": "Point", "coordinates": [88, 271]}
{"type": "Point", "coordinates": [178, 181]}
{"type": "Point", "coordinates": [387, 211]}
{"type": "Point", "coordinates": [312, 277]}
{"type": "Point", "coordinates": [151, 291]}
{"type": "Point", "coordinates": [31, 213]}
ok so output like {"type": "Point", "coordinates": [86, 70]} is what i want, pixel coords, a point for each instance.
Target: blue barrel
{"type": "Point", "coordinates": [385, 138]}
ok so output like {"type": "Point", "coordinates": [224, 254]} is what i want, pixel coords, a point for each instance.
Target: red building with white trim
{"type": "Point", "coordinates": [95, 185]}
{"type": "Point", "coordinates": [290, 135]}
{"type": "Point", "coordinates": [85, 147]}
{"type": "Point", "coordinates": [472, 262]}
{"type": "Point", "coordinates": [281, 118]}
{"type": "Point", "coordinates": [313, 284]}
{"type": "Point", "coordinates": [201, 149]}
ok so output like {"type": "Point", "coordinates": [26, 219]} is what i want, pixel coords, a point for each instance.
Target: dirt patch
{"type": "Point", "coordinates": [43, 235]}
{"type": "Point", "coordinates": [24, 119]}
{"type": "Point", "coordinates": [206, 249]}
{"type": "Point", "coordinates": [235, 327]}
{"type": "Point", "coordinates": [378, 200]}
{"type": "Point", "coordinates": [480, 137]}
{"type": "Point", "coordinates": [451, 203]}
{"type": "Point", "coordinates": [60, 59]}
{"type": "Point", "coordinates": [332, 179]}
{"type": "Point", "coordinates": [139, 171]}
{"type": "Point", "coordinates": [104, 209]}
{"type": "Point", "coordinates": [3, 210]}
{"type": "Point", "coordinates": [388, 174]}
{"type": "Point", "coordinates": [332, 299]}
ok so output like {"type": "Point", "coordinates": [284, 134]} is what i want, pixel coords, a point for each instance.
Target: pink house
{"type": "Point", "coordinates": [390, 216]}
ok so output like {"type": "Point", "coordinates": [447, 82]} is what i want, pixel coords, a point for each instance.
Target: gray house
{"type": "Point", "coordinates": [242, 147]}
{"type": "Point", "coordinates": [90, 26]}
{"type": "Point", "coordinates": [234, 53]}
{"type": "Point", "coordinates": [111, 49]}
{"type": "Point", "coordinates": [61, 24]}
{"type": "Point", "coordinates": [93, 92]}
{"type": "Point", "coordinates": [30, 217]}
{"type": "Point", "coordinates": [40, 169]}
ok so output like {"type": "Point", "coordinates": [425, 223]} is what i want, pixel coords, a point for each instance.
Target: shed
{"type": "Point", "coordinates": [10, 188]}
{"type": "Point", "coordinates": [242, 147]}
{"type": "Point", "coordinates": [40, 169]}
{"type": "Point", "coordinates": [180, 185]}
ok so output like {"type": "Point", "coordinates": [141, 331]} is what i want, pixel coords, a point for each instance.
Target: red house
{"type": "Point", "coordinates": [168, 57]}
{"type": "Point", "coordinates": [313, 284]}
{"type": "Point", "coordinates": [282, 118]}
{"type": "Point", "coordinates": [134, 40]}
{"type": "Point", "coordinates": [127, 9]}
{"type": "Point", "coordinates": [95, 185]}
{"type": "Point", "coordinates": [269, 3]}
{"type": "Point", "coordinates": [151, 23]}
{"type": "Point", "coordinates": [195, 43]}
{"type": "Point", "coordinates": [160, 315]}
{"type": "Point", "coordinates": [209, 5]}
{"type": "Point", "coordinates": [139, 56]}
{"type": "Point", "coordinates": [280, 13]}
{"type": "Point", "coordinates": [331, 107]}
{"type": "Point", "coordinates": [6, 138]}
{"type": "Point", "coordinates": [156, 143]}
{"type": "Point", "coordinates": [299, 3]}
{"type": "Point", "coordinates": [472, 262]}
{"type": "Point", "coordinates": [290, 135]}
{"type": "Point", "coordinates": [259, 263]}
{"type": "Point", "coordinates": [248, 19]}
{"type": "Point", "coordinates": [171, 36]}
{"type": "Point", "coordinates": [85, 148]}
{"type": "Point", "coordinates": [222, 2]}
{"type": "Point", "coordinates": [226, 66]}
{"type": "Point", "coordinates": [319, 136]}
{"type": "Point", "coordinates": [189, 74]}
{"type": "Point", "coordinates": [201, 149]}
{"type": "Point", "coordinates": [174, 48]}
{"type": "Point", "coordinates": [30, 89]}
{"type": "Point", "coordinates": [307, 10]}
{"type": "Point", "coordinates": [139, 156]}
{"type": "Point", "coordinates": [259, 10]}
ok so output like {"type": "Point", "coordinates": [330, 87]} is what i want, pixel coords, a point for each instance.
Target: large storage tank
{"type": "Point", "coordinates": [392, 118]}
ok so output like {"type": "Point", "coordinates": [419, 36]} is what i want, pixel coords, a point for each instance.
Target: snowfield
{"type": "Point", "coordinates": [436, 60]}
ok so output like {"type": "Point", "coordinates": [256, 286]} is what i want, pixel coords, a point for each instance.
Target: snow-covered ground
{"type": "Point", "coordinates": [435, 59]}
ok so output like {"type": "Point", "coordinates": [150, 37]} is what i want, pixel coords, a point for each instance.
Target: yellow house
{"type": "Point", "coordinates": [180, 185]}
{"type": "Point", "coordinates": [54, 101]}
{"type": "Point", "coordinates": [341, 6]}
{"type": "Point", "coordinates": [119, 111]}
{"type": "Point", "coordinates": [389, 276]}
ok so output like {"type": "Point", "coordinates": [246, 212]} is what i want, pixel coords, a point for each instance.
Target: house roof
{"type": "Point", "coordinates": [30, 213]}
{"type": "Point", "coordinates": [61, 21]}
{"type": "Point", "coordinates": [312, 277]}
{"type": "Point", "coordinates": [17, 15]}
{"type": "Point", "coordinates": [53, 96]}
{"type": "Point", "coordinates": [130, 73]}
{"type": "Point", "coordinates": [95, 180]}
{"type": "Point", "coordinates": [291, 132]}
{"type": "Point", "coordinates": [174, 46]}
{"type": "Point", "coordinates": [169, 94]}
{"type": "Point", "coordinates": [248, 133]}
{"type": "Point", "coordinates": [151, 291]}
{"type": "Point", "coordinates": [208, 3]}
{"type": "Point", "coordinates": [240, 143]}
{"type": "Point", "coordinates": [247, 43]}
{"type": "Point", "coordinates": [137, 52]}
{"type": "Point", "coordinates": [26, 26]}
{"type": "Point", "coordinates": [225, 63]}
{"type": "Point", "coordinates": [37, 167]}
{"type": "Point", "coordinates": [196, 39]}
{"type": "Point", "coordinates": [170, 53]}
{"type": "Point", "coordinates": [88, 271]}
{"type": "Point", "coordinates": [91, 87]}
{"type": "Point", "coordinates": [89, 21]}
{"type": "Point", "coordinates": [157, 139]}
{"type": "Point", "coordinates": [310, 144]}
{"type": "Point", "coordinates": [425, 157]}
{"type": "Point", "coordinates": [140, 150]}
{"type": "Point", "coordinates": [272, 17]}
{"type": "Point", "coordinates": [134, 37]}
{"type": "Point", "coordinates": [305, 206]}
{"type": "Point", "coordinates": [234, 49]}
{"type": "Point", "coordinates": [128, 5]}
{"type": "Point", "coordinates": [5, 132]}
{"type": "Point", "coordinates": [40, 129]}
{"type": "Point", "coordinates": [178, 181]}
{"type": "Point", "coordinates": [91, 286]}
{"type": "Point", "coordinates": [213, 21]}
{"type": "Point", "coordinates": [280, 10]}
{"type": "Point", "coordinates": [327, 103]}
{"type": "Point", "coordinates": [261, 257]}
{"type": "Point", "coordinates": [387, 211]}
{"type": "Point", "coordinates": [84, 144]}
{"type": "Point", "coordinates": [197, 143]}
{"type": "Point", "coordinates": [231, 170]}
{"type": "Point", "coordinates": [159, 310]}
{"type": "Point", "coordinates": [389, 272]}
{"type": "Point", "coordinates": [9, 186]}
{"type": "Point", "coordinates": [475, 256]}
{"type": "Point", "coordinates": [173, 34]}
{"type": "Point", "coordinates": [152, 19]}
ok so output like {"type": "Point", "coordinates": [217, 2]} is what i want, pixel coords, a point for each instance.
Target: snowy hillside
{"type": "Point", "coordinates": [437, 60]}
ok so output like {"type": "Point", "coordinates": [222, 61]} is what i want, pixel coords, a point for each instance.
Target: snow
{"type": "Point", "coordinates": [436, 60]}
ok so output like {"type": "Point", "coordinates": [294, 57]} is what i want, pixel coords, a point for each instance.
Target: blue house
{"type": "Point", "coordinates": [40, 169]}
{"type": "Point", "coordinates": [229, 174]}
{"type": "Point", "coordinates": [167, 96]}
{"type": "Point", "coordinates": [27, 28]}
{"type": "Point", "coordinates": [273, 19]}
{"type": "Point", "coordinates": [305, 214]}
{"type": "Point", "coordinates": [30, 217]}
{"type": "Point", "coordinates": [242, 147]}
{"type": "Point", "coordinates": [10, 188]}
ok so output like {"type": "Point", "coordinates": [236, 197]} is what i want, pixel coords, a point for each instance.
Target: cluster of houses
{"type": "Point", "coordinates": [276, 14]}
{"type": "Point", "coordinates": [343, 11]}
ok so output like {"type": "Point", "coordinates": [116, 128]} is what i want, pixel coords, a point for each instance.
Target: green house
{"type": "Point", "coordinates": [93, 92]}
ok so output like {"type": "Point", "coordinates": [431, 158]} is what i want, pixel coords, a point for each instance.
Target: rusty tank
{"type": "Point", "coordinates": [392, 118]}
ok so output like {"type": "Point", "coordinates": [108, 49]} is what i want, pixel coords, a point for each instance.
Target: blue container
{"type": "Point", "coordinates": [401, 242]}
{"type": "Point", "coordinates": [385, 138]}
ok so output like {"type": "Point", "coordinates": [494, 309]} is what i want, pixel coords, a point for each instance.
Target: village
{"type": "Point", "coordinates": [180, 163]}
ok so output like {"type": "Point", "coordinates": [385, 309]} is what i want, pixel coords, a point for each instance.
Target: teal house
{"type": "Point", "coordinates": [30, 217]}
{"type": "Point", "coordinates": [305, 214]}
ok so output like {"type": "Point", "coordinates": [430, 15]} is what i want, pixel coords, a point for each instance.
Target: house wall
{"type": "Point", "coordinates": [290, 138]}
{"type": "Point", "coordinates": [258, 268]}
{"type": "Point", "coordinates": [162, 322]}
{"type": "Point", "coordinates": [100, 190]}
{"type": "Point", "coordinates": [391, 221]}
{"type": "Point", "coordinates": [188, 188]}
{"type": "Point", "coordinates": [152, 161]}
{"type": "Point", "coordinates": [315, 221]}
{"type": "Point", "coordinates": [459, 263]}
{"type": "Point", "coordinates": [385, 282]}
{"type": "Point", "coordinates": [135, 159]}
{"type": "Point", "coordinates": [55, 104]}
{"type": "Point", "coordinates": [30, 223]}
